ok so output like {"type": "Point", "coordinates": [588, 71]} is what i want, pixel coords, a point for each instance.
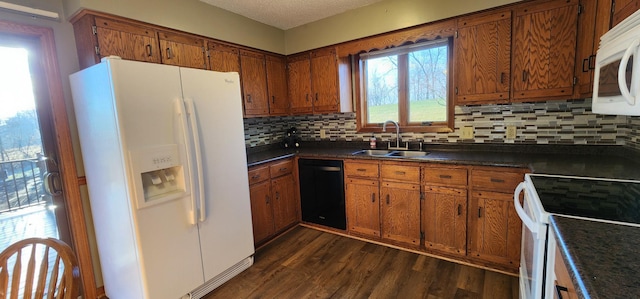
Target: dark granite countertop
{"type": "Point", "coordinates": [589, 161]}
{"type": "Point", "coordinates": [602, 258]}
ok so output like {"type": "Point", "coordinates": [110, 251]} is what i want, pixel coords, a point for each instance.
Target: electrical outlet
{"type": "Point", "coordinates": [467, 132]}
{"type": "Point", "coordinates": [512, 131]}
{"type": "Point", "coordinates": [323, 134]}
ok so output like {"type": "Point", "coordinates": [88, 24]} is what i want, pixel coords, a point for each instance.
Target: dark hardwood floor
{"type": "Point", "coordinates": [307, 263]}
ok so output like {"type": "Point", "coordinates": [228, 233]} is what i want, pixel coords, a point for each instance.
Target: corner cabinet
{"type": "Point", "coordinates": [544, 50]}
{"type": "Point", "coordinates": [482, 58]}
{"type": "Point", "coordinates": [274, 205]}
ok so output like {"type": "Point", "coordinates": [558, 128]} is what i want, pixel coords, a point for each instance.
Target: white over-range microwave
{"type": "Point", "coordinates": [616, 85]}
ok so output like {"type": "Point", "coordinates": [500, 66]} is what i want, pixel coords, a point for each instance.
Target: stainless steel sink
{"type": "Point", "coordinates": [407, 154]}
{"type": "Point", "coordinates": [388, 153]}
{"type": "Point", "coordinates": [372, 152]}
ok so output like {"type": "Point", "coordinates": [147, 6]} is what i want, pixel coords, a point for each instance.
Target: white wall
{"type": "Point", "coordinates": [378, 18]}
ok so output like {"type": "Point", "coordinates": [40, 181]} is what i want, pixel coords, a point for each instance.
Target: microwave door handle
{"type": "Point", "coordinates": [622, 74]}
{"type": "Point", "coordinates": [526, 220]}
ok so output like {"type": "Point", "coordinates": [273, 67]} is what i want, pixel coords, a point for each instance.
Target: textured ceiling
{"type": "Point", "coordinates": [286, 14]}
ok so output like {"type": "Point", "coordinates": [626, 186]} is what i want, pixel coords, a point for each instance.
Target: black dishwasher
{"type": "Point", "coordinates": [322, 192]}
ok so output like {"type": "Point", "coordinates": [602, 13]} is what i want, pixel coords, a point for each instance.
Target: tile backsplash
{"type": "Point", "coordinates": [551, 122]}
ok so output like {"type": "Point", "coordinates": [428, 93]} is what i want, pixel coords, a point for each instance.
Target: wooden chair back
{"type": "Point", "coordinates": [39, 268]}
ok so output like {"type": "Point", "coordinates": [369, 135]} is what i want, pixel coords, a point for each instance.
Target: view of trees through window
{"type": "Point", "coordinates": [424, 87]}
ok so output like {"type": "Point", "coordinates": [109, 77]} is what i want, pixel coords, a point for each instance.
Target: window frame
{"type": "Point", "coordinates": [403, 101]}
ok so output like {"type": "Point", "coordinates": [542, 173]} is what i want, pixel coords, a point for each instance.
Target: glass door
{"type": "Point", "coordinates": [30, 200]}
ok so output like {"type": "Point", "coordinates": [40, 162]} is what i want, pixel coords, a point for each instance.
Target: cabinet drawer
{"type": "Point", "coordinates": [258, 174]}
{"type": "Point", "coordinates": [401, 173]}
{"type": "Point", "coordinates": [495, 180]}
{"type": "Point", "coordinates": [367, 170]}
{"type": "Point", "coordinates": [281, 168]}
{"type": "Point", "coordinates": [445, 176]}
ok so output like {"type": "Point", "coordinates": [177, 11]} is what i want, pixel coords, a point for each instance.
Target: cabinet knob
{"type": "Point", "coordinates": [149, 50]}
{"type": "Point", "coordinates": [168, 53]}
{"type": "Point", "coordinates": [373, 197]}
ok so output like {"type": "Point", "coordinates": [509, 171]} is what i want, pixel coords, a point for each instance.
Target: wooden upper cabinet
{"type": "Point", "coordinates": [277, 85]}
{"type": "Point", "coordinates": [594, 20]}
{"type": "Point", "coordinates": [254, 83]}
{"type": "Point", "coordinates": [623, 9]}
{"type": "Point", "coordinates": [483, 61]}
{"type": "Point", "coordinates": [324, 80]}
{"type": "Point", "coordinates": [299, 88]}
{"type": "Point", "coordinates": [223, 58]}
{"type": "Point", "coordinates": [544, 50]}
{"type": "Point", "coordinates": [182, 50]}
{"type": "Point", "coordinates": [98, 37]}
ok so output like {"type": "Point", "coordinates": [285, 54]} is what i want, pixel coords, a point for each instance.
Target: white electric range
{"type": "Point", "coordinates": [595, 199]}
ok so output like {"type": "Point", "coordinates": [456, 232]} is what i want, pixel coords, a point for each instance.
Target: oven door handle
{"type": "Point", "coordinates": [528, 222]}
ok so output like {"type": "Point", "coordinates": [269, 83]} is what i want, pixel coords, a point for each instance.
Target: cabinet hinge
{"type": "Point", "coordinates": [456, 90]}
{"type": "Point", "coordinates": [94, 29]}
{"type": "Point", "coordinates": [456, 34]}
{"type": "Point", "coordinates": [613, 6]}
{"type": "Point", "coordinates": [204, 50]}
{"type": "Point", "coordinates": [575, 81]}
{"type": "Point", "coordinates": [97, 49]}
{"type": "Point", "coordinates": [421, 195]}
{"type": "Point", "coordinates": [580, 9]}
{"type": "Point", "coordinates": [208, 53]}
{"type": "Point", "coordinates": [422, 235]}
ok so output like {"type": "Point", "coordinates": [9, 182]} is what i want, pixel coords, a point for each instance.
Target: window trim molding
{"type": "Point", "coordinates": [360, 99]}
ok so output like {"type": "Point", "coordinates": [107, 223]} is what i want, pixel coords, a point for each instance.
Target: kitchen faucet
{"type": "Point", "coordinates": [397, 147]}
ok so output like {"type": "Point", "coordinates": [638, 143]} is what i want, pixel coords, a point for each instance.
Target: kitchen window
{"type": "Point", "coordinates": [409, 85]}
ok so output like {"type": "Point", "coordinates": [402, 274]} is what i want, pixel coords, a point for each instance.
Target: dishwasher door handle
{"type": "Point", "coordinates": [329, 168]}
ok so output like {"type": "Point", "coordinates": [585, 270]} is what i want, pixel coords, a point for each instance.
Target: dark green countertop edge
{"type": "Point", "coordinates": [607, 161]}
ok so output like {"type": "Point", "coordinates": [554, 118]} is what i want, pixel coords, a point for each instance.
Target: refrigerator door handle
{"type": "Point", "coordinates": [182, 116]}
{"type": "Point", "coordinates": [193, 119]}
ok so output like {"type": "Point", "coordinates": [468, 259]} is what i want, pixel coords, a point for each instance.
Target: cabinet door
{"type": "Point", "coordinates": [400, 212]}
{"type": "Point", "coordinates": [563, 284]}
{"type": "Point", "coordinates": [182, 50]}
{"type": "Point", "coordinates": [363, 209]}
{"type": "Point", "coordinates": [277, 85]}
{"type": "Point", "coordinates": [261, 211]}
{"type": "Point", "coordinates": [593, 21]}
{"type": "Point", "coordinates": [285, 212]}
{"type": "Point", "coordinates": [324, 80]}
{"type": "Point", "coordinates": [126, 40]}
{"type": "Point", "coordinates": [544, 50]}
{"type": "Point", "coordinates": [444, 219]}
{"type": "Point", "coordinates": [254, 83]}
{"type": "Point", "coordinates": [482, 55]}
{"type": "Point", "coordinates": [223, 58]}
{"type": "Point", "coordinates": [623, 9]}
{"type": "Point", "coordinates": [299, 88]}
{"type": "Point", "coordinates": [494, 228]}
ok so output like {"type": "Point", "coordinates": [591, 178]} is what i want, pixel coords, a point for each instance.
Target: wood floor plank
{"type": "Point", "coordinates": [307, 263]}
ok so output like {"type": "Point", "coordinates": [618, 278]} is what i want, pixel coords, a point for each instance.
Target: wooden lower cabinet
{"type": "Point", "coordinates": [363, 207]}
{"type": "Point", "coordinates": [494, 228]}
{"type": "Point", "coordinates": [444, 219]}
{"type": "Point", "coordinates": [274, 205]}
{"type": "Point", "coordinates": [400, 213]}
{"type": "Point", "coordinates": [284, 201]}
{"type": "Point", "coordinates": [563, 283]}
{"type": "Point", "coordinates": [261, 211]}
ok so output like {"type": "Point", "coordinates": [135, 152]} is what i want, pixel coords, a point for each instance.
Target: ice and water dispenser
{"type": "Point", "coordinates": [159, 174]}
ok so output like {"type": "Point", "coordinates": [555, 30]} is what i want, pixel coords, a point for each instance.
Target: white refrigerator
{"type": "Point", "coordinates": [166, 169]}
